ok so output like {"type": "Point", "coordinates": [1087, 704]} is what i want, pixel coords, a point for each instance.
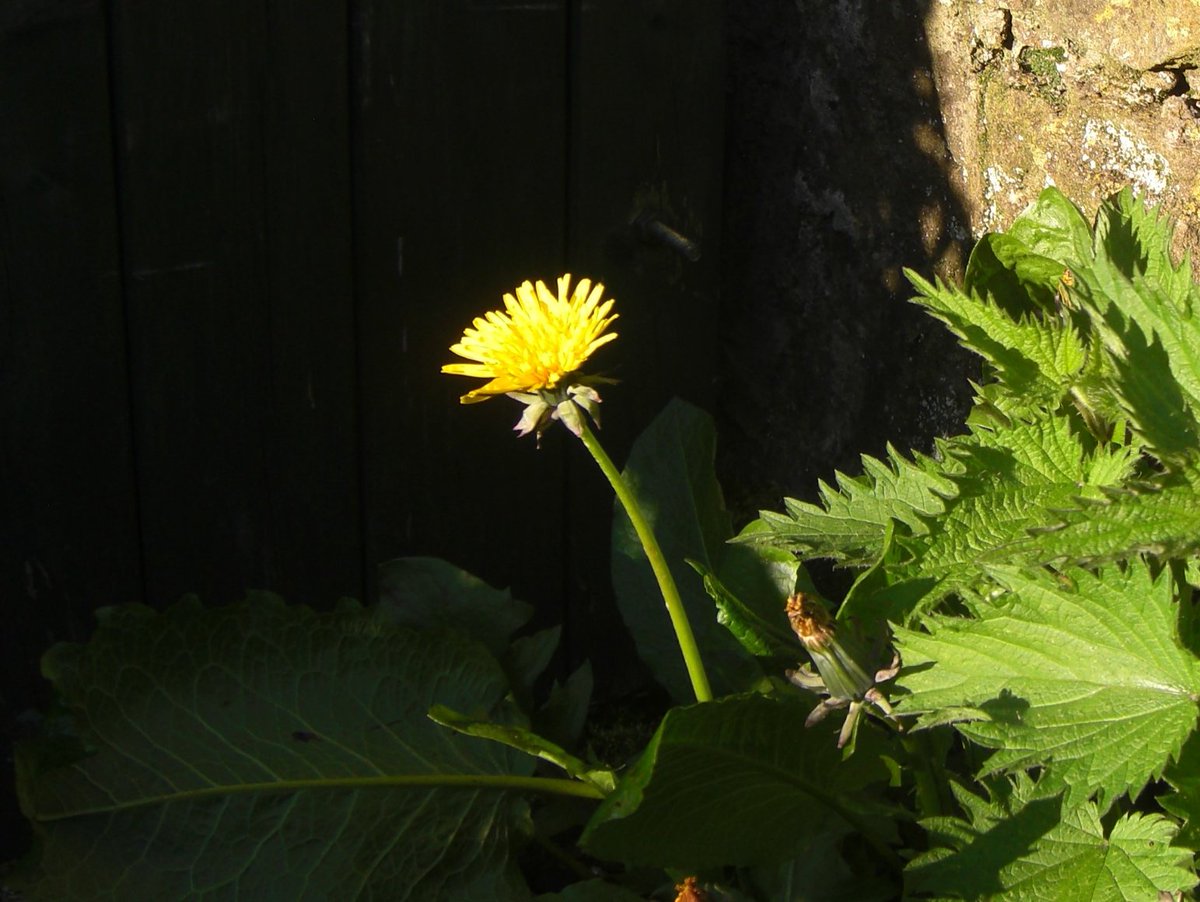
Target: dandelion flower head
{"type": "Point", "coordinates": [537, 341]}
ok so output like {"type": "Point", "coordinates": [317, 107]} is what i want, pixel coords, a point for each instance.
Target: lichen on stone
{"type": "Point", "coordinates": [1110, 148]}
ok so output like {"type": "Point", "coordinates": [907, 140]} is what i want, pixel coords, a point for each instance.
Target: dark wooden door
{"type": "Point", "coordinates": [237, 238]}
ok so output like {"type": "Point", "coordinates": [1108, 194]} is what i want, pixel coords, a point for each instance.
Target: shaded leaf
{"type": "Point", "coordinates": [670, 472]}
{"type": "Point", "coordinates": [1184, 802]}
{"type": "Point", "coordinates": [563, 716]}
{"type": "Point", "coordinates": [527, 659]}
{"type": "Point", "coordinates": [1026, 846]}
{"type": "Point", "coordinates": [820, 873]}
{"type": "Point", "coordinates": [760, 634]}
{"type": "Point", "coordinates": [270, 752]}
{"type": "Point", "coordinates": [736, 781]}
{"type": "Point", "coordinates": [592, 891]}
{"type": "Point", "coordinates": [428, 593]}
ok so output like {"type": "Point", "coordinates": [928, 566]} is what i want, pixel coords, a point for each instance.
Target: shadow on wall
{"type": "Point", "coordinates": [837, 177]}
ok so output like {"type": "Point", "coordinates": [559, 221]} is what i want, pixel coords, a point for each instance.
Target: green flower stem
{"type": "Point", "coordinates": [658, 563]}
{"type": "Point", "coordinates": [555, 785]}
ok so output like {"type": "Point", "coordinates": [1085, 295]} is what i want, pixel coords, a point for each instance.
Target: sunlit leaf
{"type": "Point", "coordinates": [1083, 674]}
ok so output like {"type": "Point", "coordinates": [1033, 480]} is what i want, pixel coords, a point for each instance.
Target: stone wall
{"type": "Point", "coordinates": [1088, 95]}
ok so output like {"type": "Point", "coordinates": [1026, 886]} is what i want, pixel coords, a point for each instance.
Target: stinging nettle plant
{"type": "Point", "coordinates": [1003, 705]}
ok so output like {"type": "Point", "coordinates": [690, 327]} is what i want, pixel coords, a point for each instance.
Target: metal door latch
{"type": "Point", "coordinates": [649, 228]}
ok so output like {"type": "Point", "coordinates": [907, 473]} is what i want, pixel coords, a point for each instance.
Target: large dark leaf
{"type": "Point", "coordinates": [736, 781]}
{"type": "Point", "coordinates": [429, 593]}
{"type": "Point", "coordinates": [266, 752]}
{"type": "Point", "coordinates": [670, 472]}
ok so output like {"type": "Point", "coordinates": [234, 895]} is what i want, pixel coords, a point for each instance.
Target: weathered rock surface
{"type": "Point", "coordinates": [1088, 95]}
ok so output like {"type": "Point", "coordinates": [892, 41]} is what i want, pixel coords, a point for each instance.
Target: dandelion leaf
{"type": "Point", "coordinates": [671, 473]}
{"type": "Point", "coordinates": [230, 752]}
{"type": "Point", "coordinates": [748, 763]}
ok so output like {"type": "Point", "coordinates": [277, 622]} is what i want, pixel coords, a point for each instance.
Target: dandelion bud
{"type": "Point", "coordinates": [840, 658]}
{"type": "Point", "coordinates": [690, 891]}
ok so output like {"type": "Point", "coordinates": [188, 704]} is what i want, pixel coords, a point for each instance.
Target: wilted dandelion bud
{"type": "Point", "coordinates": [840, 658]}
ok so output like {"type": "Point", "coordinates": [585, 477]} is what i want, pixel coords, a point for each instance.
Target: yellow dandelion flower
{"type": "Point", "coordinates": [536, 341]}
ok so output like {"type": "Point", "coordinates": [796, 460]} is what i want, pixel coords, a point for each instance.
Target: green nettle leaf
{"type": "Point", "coordinates": [269, 752]}
{"type": "Point", "coordinates": [1150, 398]}
{"type": "Point", "coordinates": [1144, 518]}
{"type": "Point", "coordinates": [1137, 243]}
{"type": "Point", "coordinates": [851, 521]}
{"type": "Point", "coordinates": [1043, 672]}
{"type": "Point", "coordinates": [1142, 306]}
{"type": "Point", "coordinates": [670, 472]}
{"type": "Point", "coordinates": [885, 592]}
{"type": "Point", "coordinates": [949, 516]}
{"type": "Point", "coordinates": [1037, 360]}
{"type": "Point", "coordinates": [736, 781]}
{"type": "Point", "coordinates": [1013, 479]}
{"type": "Point", "coordinates": [1021, 270]}
{"type": "Point", "coordinates": [1008, 273]}
{"type": "Point", "coordinates": [1154, 348]}
{"type": "Point", "coordinates": [1184, 802]}
{"type": "Point", "coordinates": [1025, 845]}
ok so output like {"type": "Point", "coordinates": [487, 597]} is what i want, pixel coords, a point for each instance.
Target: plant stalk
{"type": "Point", "coordinates": [554, 785]}
{"type": "Point", "coordinates": [658, 563]}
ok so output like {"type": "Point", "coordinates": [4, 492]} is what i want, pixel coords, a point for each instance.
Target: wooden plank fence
{"type": "Point", "coordinates": [236, 239]}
